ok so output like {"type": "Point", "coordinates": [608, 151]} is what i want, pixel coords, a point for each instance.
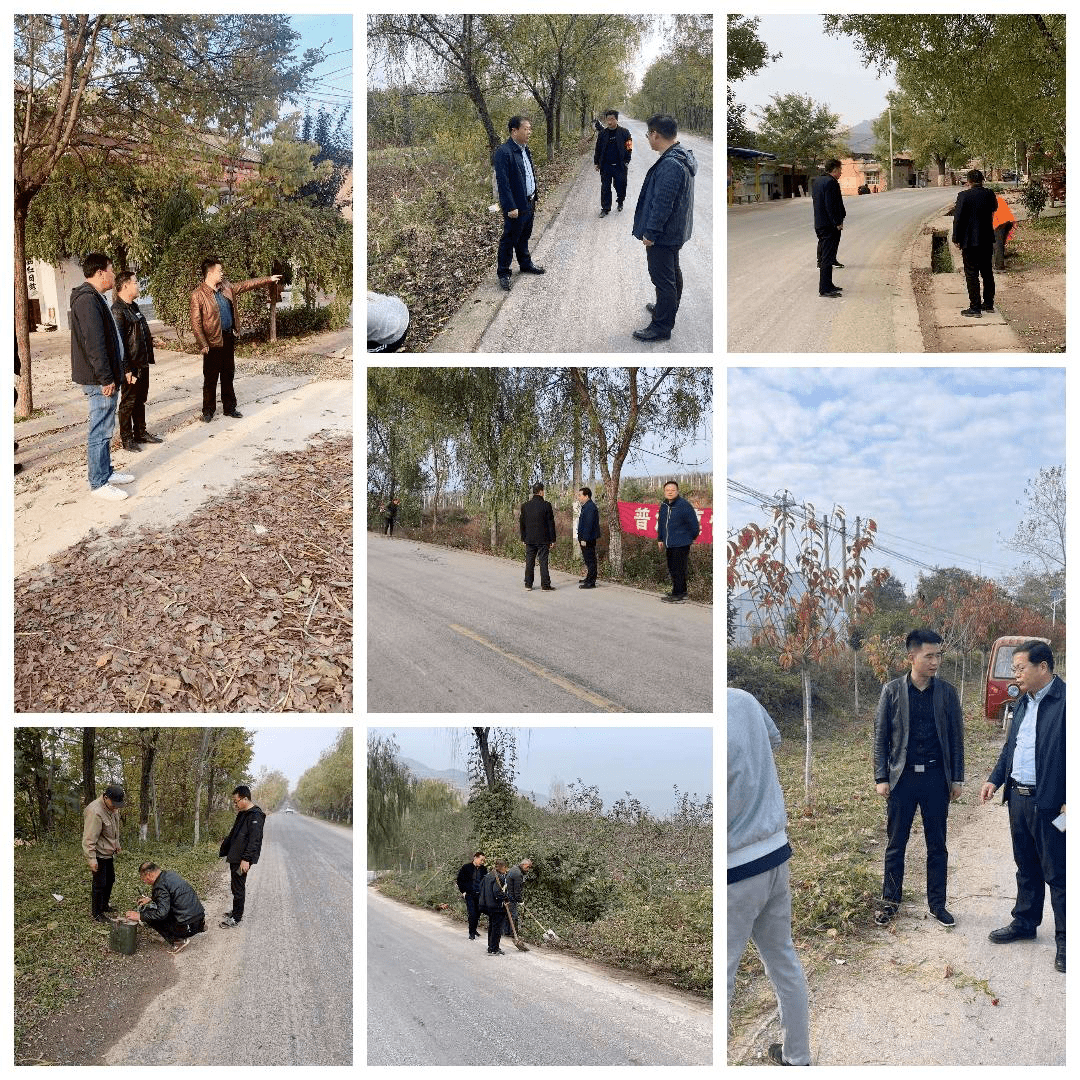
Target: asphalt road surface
{"type": "Point", "coordinates": [773, 302]}
{"type": "Point", "coordinates": [437, 998]}
{"type": "Point", "coordinates": [277, 990]}
{"type": "Point", "coordinates": [594, 293]}
{"type": "Point", "coordinates": [454, 631]}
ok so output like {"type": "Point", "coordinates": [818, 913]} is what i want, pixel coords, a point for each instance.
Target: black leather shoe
{"type": "Point", "coordinates": [131, 444]}
{"type": "Point", "coordinates": [532, 268]}
{"type": "Point", "coordinates": [841, 265]}
{"type": "Point", "coordinates": [972, 312]}
{"type": "Point", "coordinates": [586, 584]}
{"type": "Point", "coordinates": [831, 294]}
{"type": "Point", "coordinates": [547, 588]}
{"type": "Point", "coordinates": [1012, 932]}
{"type": "Point", "coordinates": [988, 307]}
{"type": "Point", "coordinates": [620, 206]}
{"type": "Point", "coordinates": [235, 415]}
{"type": "Point", "coordinates": [942, 916]}
{"type": "Point", "coordinates": [504, 282]}
{"type": "Point", "coordinates": [528, 587]}
{"type": "Point", "coordinates": [650, 308]}
{"type": "Point", "coordinates": [146, 437]}
{"type": "Point", "coordinates": [1059, 959]}
{"type": "Point", "coordinates": [648, 334]}
{"type": "Point", "coordinates": [604, 213]}
{"type": "Point", "coordinates": [776, 1054]}
{"type": "Point", "coordinates": [207, 417]}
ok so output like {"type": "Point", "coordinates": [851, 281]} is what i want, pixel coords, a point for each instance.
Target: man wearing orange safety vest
{"type": "Point", "coordinates": [1004, 223]}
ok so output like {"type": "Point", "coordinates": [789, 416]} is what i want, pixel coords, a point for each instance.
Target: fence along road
{"type": "Point", "coordinates": [454, 631]}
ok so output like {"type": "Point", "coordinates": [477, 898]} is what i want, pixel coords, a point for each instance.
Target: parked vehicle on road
{"type": "Point", "coordinates": [1002, 693]}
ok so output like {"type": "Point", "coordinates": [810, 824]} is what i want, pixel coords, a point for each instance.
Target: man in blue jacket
{"type": "Point", "coordinates": [677, 527]}
{"type": "Point", "coordinates": [829, 214]}
{"type": "Point", "coordinates": [1031, 773]}
{"type": "Point", "coordinates": [973, 233]}
{"type": "Point", "coordinates": [663, 222]}
{"type": "Point", "coordinates": [516, 180]}
{"type": "Point", "coordinates": [588, 532]}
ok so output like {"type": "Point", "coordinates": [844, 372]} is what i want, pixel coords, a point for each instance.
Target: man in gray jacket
{"type": "Point", "coordinates": [172, 909]}
{"type": "Point", "coordinates": [758, 871]}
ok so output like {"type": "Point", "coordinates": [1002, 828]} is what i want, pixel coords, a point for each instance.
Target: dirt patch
{"type": "Point", "coordinates": [1021, 300]}
{"type": "Point", "coordinates": [922, 283]}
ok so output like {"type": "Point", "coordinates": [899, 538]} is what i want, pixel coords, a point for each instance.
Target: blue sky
{"type": "Point", "coordinates": [291, 751]}
{"type": "Point", "coordinates": [646, 761]}
{"type": "Point", "coordinates": [938, 457]}
{"type": "Point", "coordinates": [334, 34]}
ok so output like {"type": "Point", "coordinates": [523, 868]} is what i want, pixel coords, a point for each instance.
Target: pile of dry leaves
{"type": "Point", "coordinates": [246, 606]}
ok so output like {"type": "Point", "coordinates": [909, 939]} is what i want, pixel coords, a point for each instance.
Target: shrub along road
{"type": "Point", "coordinates": [453, 631]}
{"type": "Point", "coordinates": [435, 997]}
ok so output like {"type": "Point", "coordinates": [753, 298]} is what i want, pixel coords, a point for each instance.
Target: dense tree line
{"type": "Point", "coordinates": [270, 789]}
{"type": "Point", "coordinates": [326, 789]}
{"type": "Point", "coordinates": [680, 82]}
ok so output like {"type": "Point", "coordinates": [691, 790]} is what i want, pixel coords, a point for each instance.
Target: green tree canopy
{"type": "Point", "coordinates": [800, 131]}
{"type": "Point", "coordinates": [747, 54]}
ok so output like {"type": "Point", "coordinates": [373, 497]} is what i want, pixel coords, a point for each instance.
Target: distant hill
{"type": "Point", "coordinates": [456, 778]}
{"type": "Point", "coordinates": [861, 138]}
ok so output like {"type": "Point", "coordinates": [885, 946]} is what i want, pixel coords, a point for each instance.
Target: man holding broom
{"type": "Point", "coordinates": [493, 895]}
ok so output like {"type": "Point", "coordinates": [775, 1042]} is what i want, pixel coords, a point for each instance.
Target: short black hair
{"type": "Point", "coordinates": [242, 790]}
{"type": "Point", "coordinates": [612, 112]}
{"type": "Point", "coordinates": [831, 164]}
{"type": "Point", "coordinates": [1038, 652]}
{"type": "Point", "coordinates": [147, 867]}
{"type": "Point", "coordinates": [664, 125]}
{"type": "Point", "coordinates": [94, 262]}
{"type": "Point", "coordinates": [501, 864]}
{"type": "Point", "coordinates": [537, 488]}
{"type": "Point", "coordinates": [477, 854]}
{"type": "Point", "coordinates": [515, 122]}
{"type": "Point", "coordinates": [123, 278]}
{"type": "Point", "coordinates": [675, 482]}
{"type": "Point", "coordinates": [207, 265]}
{"type": "Point", "coordinates": [976, 177]}
{"type": "Point", "coordinates": [587, 492]}
{"type": "Point", "coordinates": [920, 637]}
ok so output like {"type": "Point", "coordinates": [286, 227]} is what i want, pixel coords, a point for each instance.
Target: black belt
{"type": "Point", "coordinates": [1023, 789]}
{"type": "Point", "coordinates": [923, 768]}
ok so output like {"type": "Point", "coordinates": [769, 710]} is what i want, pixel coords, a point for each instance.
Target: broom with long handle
{"type": "Point", "coordinates": [549, 935]}
{"type": "Point", "coordinates": [518, 943]}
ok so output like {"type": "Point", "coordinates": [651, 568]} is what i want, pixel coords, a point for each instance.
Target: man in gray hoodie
{"type": "Point", "coordinates": [758, 872]}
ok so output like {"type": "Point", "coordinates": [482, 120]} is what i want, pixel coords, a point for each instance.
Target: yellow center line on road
{"type": "Point", "coordinates": [536, 669]}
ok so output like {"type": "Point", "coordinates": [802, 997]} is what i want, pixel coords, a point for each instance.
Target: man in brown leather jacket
{"type": "Point", "coordinates": [213, 321]}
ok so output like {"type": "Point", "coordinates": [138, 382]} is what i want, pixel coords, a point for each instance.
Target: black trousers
{"type": "Point", "coordinates": [677, 558]}
{"type": "Point", "coordinates": [928, 791]}
{"type": "Point", "coordinates": [515, 240]}
{"type": "Point", "coordinates": [238, 883]}
{"type": "Point", "coordinates": [389, 530]}
{"type": "Point", "coordinates": [610, 174]}
{"type": "Point", "coordinates": [828, 244]}
{"type": "Point", "coordinates": [172, 930]}
{"type": "Point", "coordinates": [534, 553]}
{"type": "Point", "coordinates": [219, 362]}
{"type": "Point", "coordinates": [1000, 235]}
{"type": "Point", "coordinates": [472, 905]}
{"type": "Point", "coordinates": [667, 279]}
{"type": "Point", "coordinates": [101, 885]}
{"type": "Point", "coordinates": [1039, 853]}
{"type": "Point", "coordinates": [133, 405]}
{"type": "Point", "coordinates": [588, 553]}
{"type": "Point", "coordinates": [496, 926]}
{"type": "Point", "coordinates": [979, 263]}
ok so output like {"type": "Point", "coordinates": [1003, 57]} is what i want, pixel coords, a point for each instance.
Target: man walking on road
{"type": "Point", "coordinates": [173, 908]}
{"type": "Point", "coordinates": [829, 214]}
{"type": "Point", "coordinates": [138, 356]}
{"type": "Point", "coordinates": [1032, 769]}
{"type": "Point", "coordinates": [469, 879]}
{"type": "Point", "coordinates": [537, 524]}
{"type": "Point", "coordinates": [918, 762]}
{"type": "Point", "coordinates": [492, 897]}
{"type": "Point", "coordinates": [390, 513]}
{"type": "Point", "coordinates": [97, 362]}
{"type": "Point", "coordinates": [213, 322]}
{"type": "Point", "coordinates": [677, 527]}
{"type": "Point", "coordinates": [515, 888]}
{"type": "Point", "coordinates": [588, 532]}
{"type": "Point", "coordinates": [664, 221]}
{"type": "Point", "coordinates": [516, 180]}
{"type": "Point", "coordinates": [241, 850]}
{"type": "Point", "coordinates": [973, 233]}
{"type": "Point", "coordinates": [759, 873]}
{"type": "Point", "coordinates": [101, 844]}
{"type": "Point", "coordinates": [611, 159]}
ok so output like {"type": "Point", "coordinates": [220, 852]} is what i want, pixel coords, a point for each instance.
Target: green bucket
{"type": "Point", "coordinates": [123, 936]}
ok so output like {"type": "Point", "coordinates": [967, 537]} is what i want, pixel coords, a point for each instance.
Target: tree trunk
{"type": "Point", "coordinates": [809, 724]}
{"type": "Point", "coordinates": [494, 528]}
{"type": "Point", "coordinates": [576, 406]}
{"type": "Point", "coordinates": [25, 404]}
{"type": "Point", "coordinates": [200, 764]}
{"type": "Point", "coordinates": [273, 315]}
{"type": "Point", "coordinates": [856, 684]}
{"type": "Point", "coordinates": [614, 528]}
{"type": "Point", "coordinates": [149, 737]}
{"type": "Point", "coordinates": [42, 794]}
{"type": "Point", "coordinates": [486, 756]}
{"type": "Point", "coordinates": [963, 678]}
{"type": "Point", "coordinates": [154, 806]}
{"type": "Point", "coordinates": [89, 787]}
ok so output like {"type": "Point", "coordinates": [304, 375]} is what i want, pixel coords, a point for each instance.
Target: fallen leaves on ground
{"type": "Point", "coordinates": [246, 606]}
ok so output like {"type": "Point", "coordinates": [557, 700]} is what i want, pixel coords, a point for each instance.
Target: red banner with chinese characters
{"type": "Point", "coordinates": [640, 519]}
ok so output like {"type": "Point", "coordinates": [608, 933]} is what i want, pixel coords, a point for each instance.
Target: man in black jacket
{"type": "Point", "coordinates": [829, 214]}
{"type": "Point", "coordinates": [138, 356]}
{"type": "Point", "coordinates": [537, 524]}
{"type": "Point", "coordinates": [515, 177]}
{"type": "Point", "coordinates": [973, 233]}
{"type": "Point", "coordinates": [241, 850]}
{"type": "Point", "coordinates": [611, 158]}
{"type": "Point", "coordinates": [97, 358]}
{"type": "Point", "coordinates": [469, 879]}
{"type": "Point", "coordinates": [588, 532]}
{"type": "Point", "coordinates": [1031, 773]}
{"type": "Point", "coordinates": [492, 897]}
{"type": "Point", "coordinates": [172, 909]}
{"type": "Point", "coordinates": [918, 762]}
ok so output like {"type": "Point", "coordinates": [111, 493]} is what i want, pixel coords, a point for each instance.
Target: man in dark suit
{"type": "Point", "coordinates": [516, 180]}
{"type": "Point", "coordinates": [537, 523]}
{"type": "Point", "coordinates": [1031, 770]}
{"type": "Point", "coordinates": [918, 762]}
{"type": "Point", "coordinates": [973, 232]}
{"type": "Point", "coordinates": [829, 214]}
{"type": "Point", "coordinates": [588, 532]}
{"type": "Point", "coordinates": [611, 159]}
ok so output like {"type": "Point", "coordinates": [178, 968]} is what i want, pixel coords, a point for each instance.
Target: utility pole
{"type": "Point", "coordinates": [890, 150]}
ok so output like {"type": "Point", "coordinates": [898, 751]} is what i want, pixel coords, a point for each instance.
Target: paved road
{"type": "Point", "coordinates": [773, 304]}
{"type": "Point", "coordinates": [453, 631]}
{"type": "Point", "coordinates": [278, 989]}
{"type": "Point", "coordinates": [436, 998]}
{"type": "Point", "coordinates": [597, 283]}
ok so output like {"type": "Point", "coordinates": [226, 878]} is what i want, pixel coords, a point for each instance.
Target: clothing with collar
{"type": "Point", "coordinates": [588, 526]}
{"type": "Point", "coordinates": [515, 176]}
{"type": "Point", "coordinates": [677, 523]}
{"type": "Point", "coordinates": [97, 350]}
{"type": "Point", "coordinates": [138, 341]}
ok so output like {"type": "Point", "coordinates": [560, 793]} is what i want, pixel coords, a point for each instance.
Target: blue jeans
{"type": "Point", "coordinates": [102, 420]}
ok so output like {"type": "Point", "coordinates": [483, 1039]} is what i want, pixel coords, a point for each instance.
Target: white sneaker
{"type": "Point", "coordinates": [121, 478]}
{"type": "Point", "coordinates": [107, 491]}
